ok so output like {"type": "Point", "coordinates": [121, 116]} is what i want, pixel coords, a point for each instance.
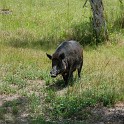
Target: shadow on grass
{"type": "Point", "coordinates": [119, 23]}
{"type": "Point", "coordinates": [14, 111]}
{"type": "Point", "coordinates": [58, 85]}
{"type": "Point", "coordinates": [81, 32]}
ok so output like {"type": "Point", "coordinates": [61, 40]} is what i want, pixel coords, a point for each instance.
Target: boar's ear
{"type": "Point", "coordinates": [62, 56]}
{"type": "Point", "coordinates": [49, 56]}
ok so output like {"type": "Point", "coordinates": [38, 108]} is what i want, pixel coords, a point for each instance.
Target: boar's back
{"type": "Point", "coordinates": [70, 49]}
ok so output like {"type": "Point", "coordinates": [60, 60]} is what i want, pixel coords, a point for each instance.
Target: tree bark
{"type": "Point", "coordinates": [99, 23]}
{"type": "Point", "coordinates": [122, 13]}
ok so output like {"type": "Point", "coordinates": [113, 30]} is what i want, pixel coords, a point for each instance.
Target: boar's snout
{"type": "Point", "coordinates": [53, 73]}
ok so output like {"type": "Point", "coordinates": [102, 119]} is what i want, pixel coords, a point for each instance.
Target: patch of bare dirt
{"type": "Point", "coordinates": [121, 43]}
{"type": "Point", "coordinates": [102, 115]}
{"type": "Point", "coordinates": [5, 11]}
{"type": "Point", "coordinates": [110, 115]}
{"type": "Point", "coordinates": [35, 87]}
{"type": "Point", "coordinates": [4, 98]}
{"type": "Point", "coordinates": [13, 109]}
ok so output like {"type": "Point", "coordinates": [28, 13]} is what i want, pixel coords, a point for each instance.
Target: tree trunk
{"type": "Point", "coordinates": [121, 13]}
{"type": "Point", "coordinates": [99, 23]}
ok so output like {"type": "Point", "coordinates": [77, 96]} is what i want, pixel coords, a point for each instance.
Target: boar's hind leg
{"type": "Point", "coordinates": [79, 69]}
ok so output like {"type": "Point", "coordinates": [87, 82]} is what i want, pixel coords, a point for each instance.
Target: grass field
{"type": "Point", "coordinates": [28, 31]}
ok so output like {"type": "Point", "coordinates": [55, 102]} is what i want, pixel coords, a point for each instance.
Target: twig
{"type": "Point", "coordinates": [85, 3]}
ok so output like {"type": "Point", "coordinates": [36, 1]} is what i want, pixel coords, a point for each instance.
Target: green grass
{"type": "Point", "coordinates": [33, 24]}
{"type": "Point", "coordinates": [34, 28]}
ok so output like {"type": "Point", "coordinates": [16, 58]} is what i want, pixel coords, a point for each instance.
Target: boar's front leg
{"type": "Point", "coordinates": [65, 77]}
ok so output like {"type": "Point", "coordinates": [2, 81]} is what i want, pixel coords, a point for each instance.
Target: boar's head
{"type": "Point", "coordinates": [58, 64]}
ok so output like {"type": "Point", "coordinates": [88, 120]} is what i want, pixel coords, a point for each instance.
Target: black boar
{"type": "Point", "coordinates": [67, 58]}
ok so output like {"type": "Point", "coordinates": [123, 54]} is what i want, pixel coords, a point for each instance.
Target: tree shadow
{"type": "Point", "coordinates": [82, 32]}
{"type": "Point", "coordinates": [119, 23]}
{"type": "Point", "coordinates": [27, 41]}
{"type": "Point", "coordinates": [99, 114]}
{"type": "Point", "coordinates": [14, 111]}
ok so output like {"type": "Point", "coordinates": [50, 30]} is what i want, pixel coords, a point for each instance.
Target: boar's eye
{"type": "Point", "coordinates": [55, 62]}
{"type": "Point", "coordinates": [62, 56]}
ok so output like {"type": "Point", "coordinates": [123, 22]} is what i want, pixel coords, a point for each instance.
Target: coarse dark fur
{"type": "Point", "coordinates": [67, 58]}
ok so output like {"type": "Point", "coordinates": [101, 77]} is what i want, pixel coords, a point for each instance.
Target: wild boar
{"type": "Point", "coordinates": [67, 58]}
